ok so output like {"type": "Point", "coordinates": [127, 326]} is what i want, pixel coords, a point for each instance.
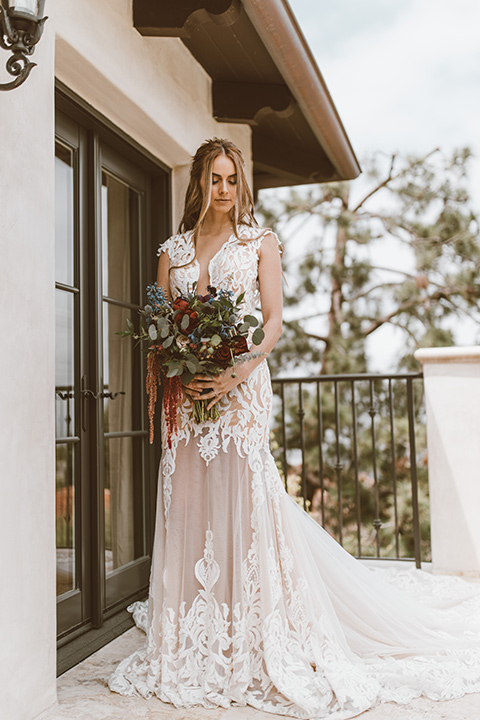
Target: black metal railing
{"type": "Point", "coordinates": [347, 446]}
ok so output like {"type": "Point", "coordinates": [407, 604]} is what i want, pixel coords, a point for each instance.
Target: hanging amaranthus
{"type": "Point", "coordinates": [172, 395]}
{"type": "Point", "coordinates": [172, 392]}
{"type": "Point", "coordinates": [155, 374]}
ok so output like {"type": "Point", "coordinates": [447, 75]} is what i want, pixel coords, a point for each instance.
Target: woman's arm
{"type": "Point", "coordinates": [270, 283]}
{"type": "Point", "coordinates": [163, 279]}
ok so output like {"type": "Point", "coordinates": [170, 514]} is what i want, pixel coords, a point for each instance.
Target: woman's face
{"type": "Point", "coordinates": [224, 185]}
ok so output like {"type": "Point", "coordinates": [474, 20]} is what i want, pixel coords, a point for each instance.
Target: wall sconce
{"type": "Point", "coordinates": [21, 27]}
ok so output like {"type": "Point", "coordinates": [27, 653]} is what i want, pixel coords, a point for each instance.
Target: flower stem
{"type": "Point", "coordinates": [200, 412]}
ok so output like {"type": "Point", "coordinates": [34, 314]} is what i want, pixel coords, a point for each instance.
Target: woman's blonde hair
{"type": "Point", "coordinates": [197, 201]}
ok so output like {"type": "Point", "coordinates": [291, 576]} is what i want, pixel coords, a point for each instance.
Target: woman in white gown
{"type": "Point", "coordinates": [251, 601]}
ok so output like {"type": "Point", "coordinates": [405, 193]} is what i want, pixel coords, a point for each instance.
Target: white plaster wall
{"type": "Point", "coordinates": [155, 91]}
{"type": "Point", "coordinates": [452, 389]}
{"type": "Point", "coordinates": [27, 391]}
{"type": "Point", "coordinates": [152, 88]}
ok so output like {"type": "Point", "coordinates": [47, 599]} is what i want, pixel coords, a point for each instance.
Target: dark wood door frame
{"type": "Point", "coordinates": [101, 607]}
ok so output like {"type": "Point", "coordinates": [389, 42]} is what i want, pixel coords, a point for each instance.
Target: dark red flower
{"type": "Point", "coordinates": [222, 355]}
{"type": "Point", "coordinates": [239, 345]}
{"type": "Point", "coordinates": [180, 304]}
{"type": "Point", "coordinates": [184, 309]}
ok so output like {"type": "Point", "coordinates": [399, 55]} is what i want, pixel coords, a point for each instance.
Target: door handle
{"type": "Point", "coordinates": [97, 396]}
{"type": "Point", "coordinates": [112, 395]}
{"type": "Point", "coordinates": [87, 393]}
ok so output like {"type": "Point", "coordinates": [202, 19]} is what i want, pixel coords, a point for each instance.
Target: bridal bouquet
{"type": "Point", "coordinates": [194, 334]}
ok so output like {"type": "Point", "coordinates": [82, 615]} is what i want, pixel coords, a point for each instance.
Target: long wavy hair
{"type": "Point", "coordinates": [197, 201]}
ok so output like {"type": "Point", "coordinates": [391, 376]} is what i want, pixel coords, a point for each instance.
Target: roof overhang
{"type": "Point", "coordinates": [263, 74]}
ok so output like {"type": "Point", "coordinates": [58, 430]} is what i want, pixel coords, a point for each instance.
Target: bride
{"type": "Point", "coordinates": [251, 601]}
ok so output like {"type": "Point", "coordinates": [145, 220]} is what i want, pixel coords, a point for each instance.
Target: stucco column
{"type": "Point", "coordinates": [452, 389]}
{"type": "Point", "coordinates": [27, 390]}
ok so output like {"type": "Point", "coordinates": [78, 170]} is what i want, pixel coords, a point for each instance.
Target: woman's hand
{"type": "Point", "coordinates": [216, 386]}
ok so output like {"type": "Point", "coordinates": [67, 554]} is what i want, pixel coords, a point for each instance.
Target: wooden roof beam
{"type": "Point", "coordinates": [273, 20]}
{"type": "Point", "coordinates": [250, 102]}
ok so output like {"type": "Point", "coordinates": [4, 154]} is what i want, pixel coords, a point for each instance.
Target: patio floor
{"type": "Point", "coordinates": [83, 695]}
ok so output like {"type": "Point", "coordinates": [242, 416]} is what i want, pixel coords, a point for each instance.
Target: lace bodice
{"type": "Point", "coordinates": [245, 411]}
{"type": "Point", "coordinates": [234, 267]}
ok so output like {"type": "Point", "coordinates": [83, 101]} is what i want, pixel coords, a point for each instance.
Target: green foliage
{"type": "Point", "coordinates": [339, 294]}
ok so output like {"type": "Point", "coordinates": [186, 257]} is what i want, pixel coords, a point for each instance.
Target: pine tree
{"type": "Point", "coordinates": [341, 295]}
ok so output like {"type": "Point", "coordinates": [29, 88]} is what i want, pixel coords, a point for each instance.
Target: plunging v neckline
{"type": "Point", "coordinates": [214, 256]}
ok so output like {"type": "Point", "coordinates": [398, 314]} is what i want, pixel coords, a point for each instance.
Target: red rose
{"type": "Point", "coordinates": [239, 345]}
{"type": "Point", "coordinates": [222, 355]}
{"type": "Point", "coordinates": [182, 306]}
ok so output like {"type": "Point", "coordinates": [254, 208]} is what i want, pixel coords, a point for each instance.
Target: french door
{"type": "Point", "coordinates": [106, 470]}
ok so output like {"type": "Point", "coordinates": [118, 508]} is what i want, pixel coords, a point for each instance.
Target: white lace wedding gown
{"type": "Point", "coordinates": [251, 601]}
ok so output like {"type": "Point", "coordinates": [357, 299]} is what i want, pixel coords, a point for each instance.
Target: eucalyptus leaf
{"type": "Point", "coordinates": [164, 332]}
{"type": "Point", "coordinates": [258, 336]}
{"type": "Point", "coordinates": [174, 371]}
{"type": "Point", "coordinates": [251, 320]}
{"type": "Point", "coordinates": [168, 342]}
{"type": "Point", "coordinates": [185, 322]}
{"type": "Point", "coordinates": [187, 377]}
{"type": "Point", "coordinates": [244, 327]}
{"type": "Point", "coordinates": [215, 340]}
{"type": "Point", "coordinates": [152, 331]}
{"type": "Point", "coordinates": [191, 357]}
{"type": "Point", "coordinates": [191, 367]}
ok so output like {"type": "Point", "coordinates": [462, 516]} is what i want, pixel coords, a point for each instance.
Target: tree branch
{"type": "Point", "coordinates": [367, 292]}
{"type": "Point", "coordinates": [391, 177]}
{"type": "Point", "coordinates": [442, 294]}
{"type": "Point", "coordinates": [295, 326]}
{"type": "Point", "coordinates": [394, 270]}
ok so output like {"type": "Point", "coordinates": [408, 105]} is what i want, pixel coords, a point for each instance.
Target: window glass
{"type": "Point", "coordinates": [65, 517]}
{"type": "Point", "coordinates": [64, 215]}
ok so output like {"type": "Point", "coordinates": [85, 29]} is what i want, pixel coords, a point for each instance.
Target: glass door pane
{"type": "Point", "coordinates": [66, 309]}
{"type": "Point", "coordinates": [66, 439]}
{"type": "Point", "coordinates": [123, 378]}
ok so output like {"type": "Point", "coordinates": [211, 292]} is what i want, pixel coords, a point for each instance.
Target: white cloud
{"type": "Point", "coordinates": [404, 75]}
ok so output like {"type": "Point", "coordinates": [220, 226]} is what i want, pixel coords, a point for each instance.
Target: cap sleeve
{"type": "Point", "coordinates": [263, 233]}
{"type": "Point", "coordinates": [166, 247]}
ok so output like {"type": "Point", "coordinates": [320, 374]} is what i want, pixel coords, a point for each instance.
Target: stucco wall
{"type": "Point", "coordinates": [452, 392]}
{"type": "Point", "coordinates": [152, 88]}
{"type": "Point", "coordinates": [155, 91]}
{"type": "Point", "coordinates": [27, 392]}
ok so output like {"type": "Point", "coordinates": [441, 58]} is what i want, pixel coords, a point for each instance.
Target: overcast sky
{"type": "Point", "coordinates": [405, 77]}
{"type": "Point", "coordinates": [404, 74]}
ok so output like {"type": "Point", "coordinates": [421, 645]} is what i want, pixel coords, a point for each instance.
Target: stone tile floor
{"type": "Point", "coordinates": [83, 695]}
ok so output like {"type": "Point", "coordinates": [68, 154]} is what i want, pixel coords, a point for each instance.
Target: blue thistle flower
{"type": "Point", "coordinates": [156, 295]}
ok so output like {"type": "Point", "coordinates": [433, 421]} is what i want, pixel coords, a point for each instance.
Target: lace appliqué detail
{"type": "Point", "coordinates": [251, 602]}
{"type": "Point", "coordinates": [245, 411]}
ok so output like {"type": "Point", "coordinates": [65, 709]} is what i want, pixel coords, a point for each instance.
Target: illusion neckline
{"type": "Point", "coordinates": [231, 238]}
